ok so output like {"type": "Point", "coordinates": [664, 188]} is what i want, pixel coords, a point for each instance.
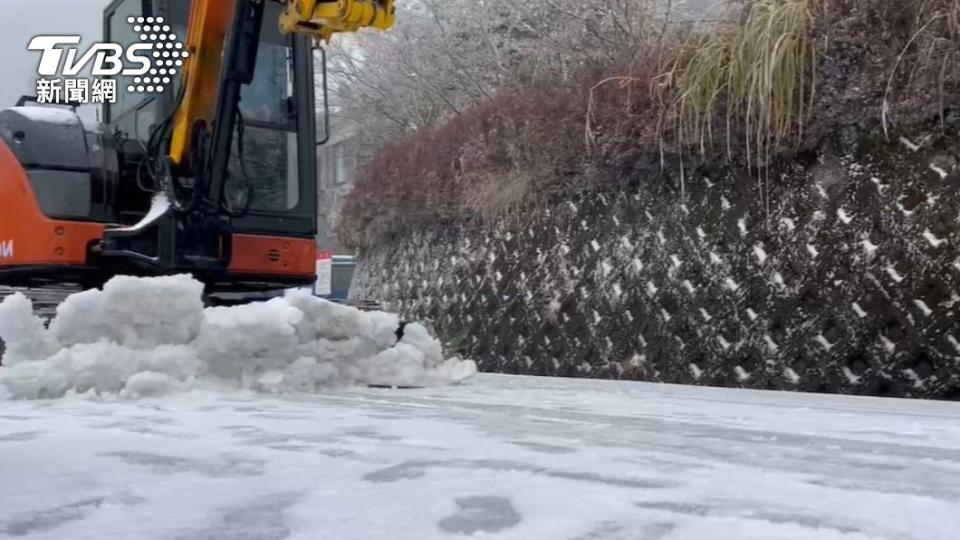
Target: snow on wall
{"type": "Point", "coordinates": [152, 336]}
{"type": "Point", "coordinates": [843, 279]}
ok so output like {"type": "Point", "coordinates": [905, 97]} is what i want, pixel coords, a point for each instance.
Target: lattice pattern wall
{"type": "Point", "coordinates": [844, 279]}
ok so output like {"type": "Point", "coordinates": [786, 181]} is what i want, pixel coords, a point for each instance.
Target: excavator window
{"type": "Point", "coordinates": [131, 113]}
{"type": "Point", "coordinates": [276, 167]}
{"type": "Point", "coordinates": [264, 160]}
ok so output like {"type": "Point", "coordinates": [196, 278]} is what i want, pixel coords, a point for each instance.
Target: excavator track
{"type": "Point", "coordinates": [45, 302]}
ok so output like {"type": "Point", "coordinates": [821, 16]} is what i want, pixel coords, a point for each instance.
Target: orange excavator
{"type": "Point", "coordinates": [215, 176]}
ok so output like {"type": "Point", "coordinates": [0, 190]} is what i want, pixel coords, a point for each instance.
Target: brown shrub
{"type": "Point", "coordinates": [502, 155]}
{"type": "Point", "coordinates": [495, 158]}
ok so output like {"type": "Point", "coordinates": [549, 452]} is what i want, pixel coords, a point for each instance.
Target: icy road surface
{"type": "Point", "coordinates": [504, 457]}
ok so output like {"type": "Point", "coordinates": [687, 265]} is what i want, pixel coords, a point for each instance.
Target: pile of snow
{"type": "Point", "coordinates": [150, 336]}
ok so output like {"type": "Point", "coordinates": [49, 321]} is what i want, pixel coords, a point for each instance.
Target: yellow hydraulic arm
{"type": "Point", "coordinates": [325, 18]}
{"type": "Point", "coordinates": [206, 35]}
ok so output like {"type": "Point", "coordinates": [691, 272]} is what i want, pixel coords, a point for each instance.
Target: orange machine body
{"type": "Point", "coordinates": [273, 256]}
{"type": "Point", "coordinates": [31, 240]}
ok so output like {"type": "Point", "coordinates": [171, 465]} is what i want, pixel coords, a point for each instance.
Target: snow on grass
{"type": "Point", "coordinates": [695, 371]}
{"type": "Point", "coordinates": [924, 308]}
{"type": "Point", "coordinates": [152, 336]}
{"type": "Point", "coordinates": [892, 272]}
{"type": "Point", "coordinates": [853, 378]}
{"type": "Point", "coordinates": [912, 146]}
{"type": "Point", "coordinates": [953, 341]}
{"type": "Point", "coordinates": [616, 291]}
{"type": "Point", "coordinates": [845, 218]}
{"type": "Point", "coordinates": [888, 345]}
{"type": "Point", "coordinates": [881, 187]}
{"type": "Point", "coordinates": [741, 373]}
{"type": "Point", "coordinates": [730, 285]}
{"type": "Point", "coordinates": [943, 174]}
{"type": "Point", "coordinates": [932, 239]}
{"type": "Point", "coordinates": [760, 253]}
{"type": "Point", "coordinates": [822, 340]}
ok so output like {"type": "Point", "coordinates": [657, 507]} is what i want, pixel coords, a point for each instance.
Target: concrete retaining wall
{"type": "Point", "coordinates": [843, 278]}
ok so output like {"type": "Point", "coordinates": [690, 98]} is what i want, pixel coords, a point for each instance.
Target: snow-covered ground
{"type": "Point", "coordinates": [505, 457]}
{"type": "Point", "coordinates": [138, 414]}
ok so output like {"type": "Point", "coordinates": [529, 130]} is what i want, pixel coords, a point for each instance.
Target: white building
{"type": "Point", "coordinates": [336, 165]}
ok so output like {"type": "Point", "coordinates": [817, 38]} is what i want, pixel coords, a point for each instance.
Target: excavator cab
{"type": "Point", "coordinates": [271, 171]}
{"type": "Point", "coordinates": [267, 190]}
{"type": "Point", "coordinates": [215, 175]}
